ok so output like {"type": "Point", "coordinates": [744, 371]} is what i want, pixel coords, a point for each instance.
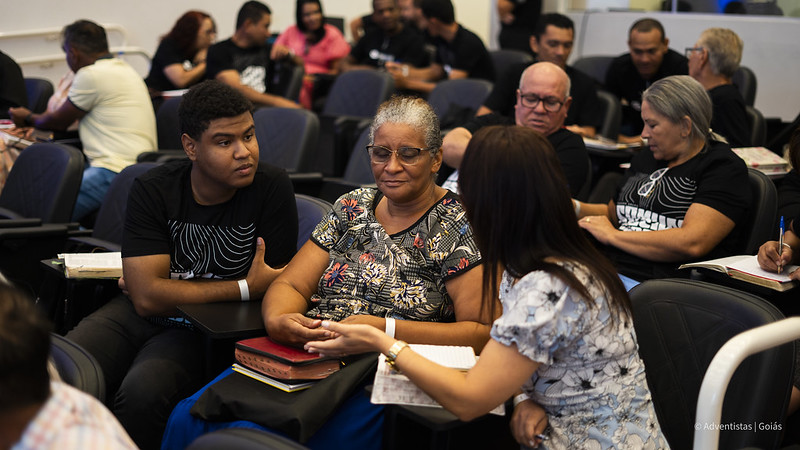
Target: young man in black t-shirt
{"type": "Point", "coordinates": [215, 228]}
{"type": "Point", "coordinates": [460, 53]}
{"type": "Point", "coordinates": [243, 62]}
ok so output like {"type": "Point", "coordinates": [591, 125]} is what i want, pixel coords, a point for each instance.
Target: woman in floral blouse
{"type": "Point", "coordinates": [565, 338]}
{"type": "Point", "coordinates": [399, 257]}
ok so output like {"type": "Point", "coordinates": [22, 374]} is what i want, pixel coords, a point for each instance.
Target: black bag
{"type": "Point", "coordinates": [298, 414]}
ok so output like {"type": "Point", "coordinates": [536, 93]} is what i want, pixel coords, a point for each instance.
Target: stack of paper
{"type": "Point", "coordinates": [93, 265]}
{"type": "Point", "coordinates": [763, 159]}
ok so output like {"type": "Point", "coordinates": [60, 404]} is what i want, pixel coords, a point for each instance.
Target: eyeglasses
{"type": "Point", "coordinates": [551, 104]}
{"type": "Point", "coordinates": [408, 156]}
{"type": "Point", "coordinates": [647, 188]}
{"type": "Point", "coordinates": [689, 50]}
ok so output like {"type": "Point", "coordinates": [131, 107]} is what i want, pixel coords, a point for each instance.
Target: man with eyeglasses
{"type": "Point", "coordinates": [649, 59]}
{"type": "Point", "coordinates": [543, 101]}
{"type": "Point", "coordinates": [552, 41]}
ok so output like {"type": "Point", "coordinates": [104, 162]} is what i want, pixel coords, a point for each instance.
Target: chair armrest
{"type": "Point", "coordinates": [308, 183]}
{"type": "Point", "coordinates": [82, 244]}
{"type": "Point", "coordinates": [20, 223]}
{"type": "Point", "coordinates": [45, 230]}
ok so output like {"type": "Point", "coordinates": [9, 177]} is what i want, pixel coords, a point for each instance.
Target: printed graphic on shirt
{"type": "Point", "coordinates": [255, 77]}
{"type": "Point", "coordinates": [642, 208]}
{"type": "Point", "coordinates": [203, 251]}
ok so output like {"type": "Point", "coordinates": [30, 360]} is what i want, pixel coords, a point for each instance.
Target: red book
{"type": "Point", "coordinates": [280, 361]}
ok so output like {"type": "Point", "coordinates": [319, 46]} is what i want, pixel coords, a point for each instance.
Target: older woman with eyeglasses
{"type": "Point", "coordinates": [682, 197]}
{"type": "Point", "coordinates": [399, 257]}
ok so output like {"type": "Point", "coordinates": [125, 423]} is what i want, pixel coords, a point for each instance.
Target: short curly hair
{"type": "Point", "coordinates": [207, 101]}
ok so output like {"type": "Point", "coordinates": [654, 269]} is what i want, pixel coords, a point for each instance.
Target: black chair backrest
{"type": "Point", "coordinates": [358, 93]}
{"type": "Point", "coordinates": [310, 210]}
{"type": "Point", "coordinates": [359, 168]}
{"type": "Point", "coordinates": [111, 216]}
{"type": "Point", "coordinates": [745, 79]}
{"type": "Point", "coordinates": [758, 127]}
{"type": "Point", "coordinates": [680, 325]}
{"type": "Point", "coordinates": [594, 66]}
{"type": "Point", "coordinates": [760, 221]}
{"type": "Point", "coordinates": [77, 367]}
{"type": "Point", "coordinates": [243, 439]}
{"type": "Point", "coordinates": [43, 184]}
{"type": "Point", "coordinates": [287, 137]}
{"type": "Point", "coordinates": [39, 92]}
{"type": "Point", "coordinates": [456, 101]}
{"type": "Point", "coordinates": [168, 126]}
{"type": "Point", "coordinates": [605, 188]}
{"type": "Point", "coordinates": [612, 114]}
{"type": "Point", "coordinates": [287, 79]}
{"type": "Point", "coordinates": [503, 59]}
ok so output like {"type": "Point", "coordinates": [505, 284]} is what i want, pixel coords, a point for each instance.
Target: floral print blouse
{"type": "Point", "coordinates": [401, 275]}
{"type": "Point", "coordinates": [591, 380]}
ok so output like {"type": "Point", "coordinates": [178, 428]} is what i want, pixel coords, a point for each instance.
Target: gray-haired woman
{"type": "Point", "coordinates": [682, 197]}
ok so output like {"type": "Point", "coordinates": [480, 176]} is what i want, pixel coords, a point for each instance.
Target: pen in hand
{"type": "Point", "coordinates": [780, 247]}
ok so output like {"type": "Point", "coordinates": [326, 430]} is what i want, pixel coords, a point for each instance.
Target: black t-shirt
{"type": "Point", "coordinates": [585, 109]}
{"type": "Point", "coordinates": [167, 54]}
{"type": "Point", "coordinates": [216, 241]}
{"type": "Point", "coordinates": [465, 52]}
{"type": "Point", "coordinates": [715, 177]}
{"type": "Point", "coordinates": [375, 48]}
{"type": "Point", "coordinates": [624, 81]}
{"type": "Point", "coordinates": [253, 64]}
{"type": "Point", "coordinates": [729, 118]}
{"type": "Point", "coordinates": [569, 147]}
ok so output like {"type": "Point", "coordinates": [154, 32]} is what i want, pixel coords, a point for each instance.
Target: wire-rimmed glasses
{"type": "Point", "coordinates": [408, 156]}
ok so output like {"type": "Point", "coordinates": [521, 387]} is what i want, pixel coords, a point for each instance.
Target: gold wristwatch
{"type": "Point", "coordinates": [394, 350]}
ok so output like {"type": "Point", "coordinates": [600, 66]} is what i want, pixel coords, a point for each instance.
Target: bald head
{"type": "Point", "coordinates": [543, 98]}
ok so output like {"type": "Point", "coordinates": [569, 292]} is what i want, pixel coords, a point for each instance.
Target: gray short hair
{"type": "Point", "coordinates": [678, 96]}
{"type": "Point", "coordinates": [724, 50]}
{"type": "Point", "coordinates": [539, 66]}
{"type": "Point", "coordinates": [412, 111]}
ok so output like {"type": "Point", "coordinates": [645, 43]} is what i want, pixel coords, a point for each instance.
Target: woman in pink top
{"type": "Point", "coordinates": [313, 43]}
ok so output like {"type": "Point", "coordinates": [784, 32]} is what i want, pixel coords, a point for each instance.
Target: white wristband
{"type": "Point", "coordinates": [244, 290]}
{"type": "Point", "coordinates": [390, 323]}
{"type": "Point", "coordinates": [577, 205]}
{"type": "Point", "coordinates": [519, 398]}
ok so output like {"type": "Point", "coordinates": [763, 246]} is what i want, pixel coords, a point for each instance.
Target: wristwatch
{"type": "Point", "coordinates": [394, 350]}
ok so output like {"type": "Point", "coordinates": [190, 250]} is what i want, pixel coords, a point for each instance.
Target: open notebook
{"type": "Point", "coordinates": [395, 388]}
{"type": "Point", "coordinates": [746, 268]}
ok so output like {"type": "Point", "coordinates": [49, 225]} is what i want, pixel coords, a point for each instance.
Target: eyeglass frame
{"type": "Point", "coordinates": [655, 177]}
{"type": "Point", "coordinates": [689, 50]}
{"type": "Point", "coordinates": [540, 100]}
{"type": "Point", "coordinates": [397, 155]}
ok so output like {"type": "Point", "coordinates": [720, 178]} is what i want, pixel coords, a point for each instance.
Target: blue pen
{"type": "Point", "coordinates": [780, 247]}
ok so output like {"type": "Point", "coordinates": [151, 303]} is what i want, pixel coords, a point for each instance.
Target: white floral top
{"type": "Point", "coordinates": [401, 275]}
{"type": "Point", "coordinates": [591, 380]}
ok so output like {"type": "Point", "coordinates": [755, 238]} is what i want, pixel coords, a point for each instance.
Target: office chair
{"type": "Point", "coordinates": [586, 188]}
{"type": "Point", "coordinates": [745, 79]}
{"type": "Point", "coordinates": [504, 59]}
{"type": "Point", "coordinates": [168, 126]}
{"type": "Point", "coordinates": [605, 188]}
{"type": "Point", "coordinates": [456, 101]}
{"type": "Point", "coordinates": [760, 223]}
{"type": "Point", "coordinates": [244, 439]}
{"type": "Point", "coordinates": [352, 101]}
{"type": "Point", "coordinates": [612, 114]}
{"type": "Point", "coordinates": [723, 366]}
{"type": "Point", "coordinates": [758, 127]}
{"type": "Point", "coordinates": [310, 210]}
{"type": "Point", "coordinates": [680, 325]}
{"type": "Point", "coordinates": [77, 367]}
{"type": "Point", "coordinates": [39, 92]}
{"type": "Point", "coordinates": [287, 137]}
{"type": "Point", "coordinates": [287, 80]}
{"type": "Point", "coordinates": [594, 66]}
{"type": "Point", "coordinates": [358, 172]}
{"type": "Point", "coordinates": [107, 231]}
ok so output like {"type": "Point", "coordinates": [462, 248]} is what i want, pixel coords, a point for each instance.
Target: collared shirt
{"type": "Point", "coordinates": [72, 419]}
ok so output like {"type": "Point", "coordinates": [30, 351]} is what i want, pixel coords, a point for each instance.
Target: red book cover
{"type": "Point", "coordinates": [276, 369]}
{"type": "Point", "coordinates": [265, 346]}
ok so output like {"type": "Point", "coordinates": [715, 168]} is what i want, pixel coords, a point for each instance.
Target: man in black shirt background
{"type": "Point", "coordinates": [650, 59]}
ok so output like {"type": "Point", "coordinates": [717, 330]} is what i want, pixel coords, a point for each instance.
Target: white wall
{"type": "Point", "coordinates": [771, 43]}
